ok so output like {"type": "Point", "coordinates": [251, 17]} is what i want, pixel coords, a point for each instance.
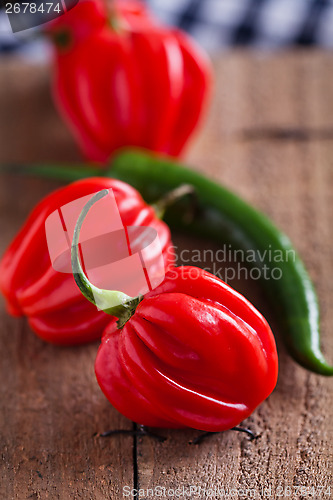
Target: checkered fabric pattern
{"type": "Point", "coordinates": [258, 23]}
{"type": "Point", "coordinates": [220, 24]}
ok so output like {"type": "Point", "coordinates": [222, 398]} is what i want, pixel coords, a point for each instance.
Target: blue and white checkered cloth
{"type": "Point", "coordinates": [218, 24]}
{"type": "Point", "coordinates": [259, 23]}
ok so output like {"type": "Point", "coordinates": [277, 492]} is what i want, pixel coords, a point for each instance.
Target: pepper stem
{"type": "Point", "coordinates": [170, 198]}
{"type": "Point", "coordinates": [112, 302]}
{"type": "Point", "coordinates": [113, 18]}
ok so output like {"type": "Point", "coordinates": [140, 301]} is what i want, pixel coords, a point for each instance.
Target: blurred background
{"type": "Point", "coordinates": [219, 24]}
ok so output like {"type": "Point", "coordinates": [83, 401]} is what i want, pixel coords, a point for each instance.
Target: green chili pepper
{"type": "Point", "coordinates": [226, 219]}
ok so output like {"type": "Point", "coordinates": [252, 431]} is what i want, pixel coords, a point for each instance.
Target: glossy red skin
{"type": "Point", "coordinates": [142, 85]}
{"type": "Point", "coordinates": [56, 309]}
{"type": "Point", "coordinates": [195, 354]}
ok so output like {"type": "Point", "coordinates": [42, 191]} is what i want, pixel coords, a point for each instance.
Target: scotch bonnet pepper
{"type": "Point", "coordinates": [55, 308]}
{"type": "Point", "coordinates": [122, 79]}
{"type": "Point", "coordinates": [192, 353]}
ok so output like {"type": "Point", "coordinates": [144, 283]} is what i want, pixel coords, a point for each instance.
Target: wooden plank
{"type": "Point", "coordinates": [30, 128]}
{"type": "Point", "coordinates": [292, 182]}
{"type": "Point", "coordinates": [52, 409]}
{"type": "Point", "coordinates": [51, 405]}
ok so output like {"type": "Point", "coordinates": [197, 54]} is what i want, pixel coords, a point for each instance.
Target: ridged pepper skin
{"type": "Point", "coordinates": [126, 80]}
{"type": "Point", "coordinates": [195, 354]}
{"type": "Point", "coordinates": [54, 306]}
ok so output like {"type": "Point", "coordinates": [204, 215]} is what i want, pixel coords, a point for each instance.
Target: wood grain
{"type": "Point", "coordinates": [51, 404]}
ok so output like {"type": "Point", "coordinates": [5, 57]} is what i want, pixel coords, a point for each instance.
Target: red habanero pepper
{"type": "Point", "coordinates": [195, 354]}
{"type": "Point", "coordinates": [55, 308]}
{"type": "Point", "coordinates": [192, 353]}
{"type": "Point", "coordinates": [126, 80]}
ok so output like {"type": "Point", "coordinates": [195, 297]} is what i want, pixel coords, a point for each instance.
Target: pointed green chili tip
{"type": "Point", "coordinates": [115, 303]}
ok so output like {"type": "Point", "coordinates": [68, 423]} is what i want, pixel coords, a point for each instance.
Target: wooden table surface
{"type": "Point", "coordinates": [51, 406]}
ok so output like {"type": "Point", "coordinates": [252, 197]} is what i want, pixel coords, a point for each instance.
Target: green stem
{"type": "Point", "coordinates": [112, 302]}
{"type": "Point", "coordinates": [172, 197]}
